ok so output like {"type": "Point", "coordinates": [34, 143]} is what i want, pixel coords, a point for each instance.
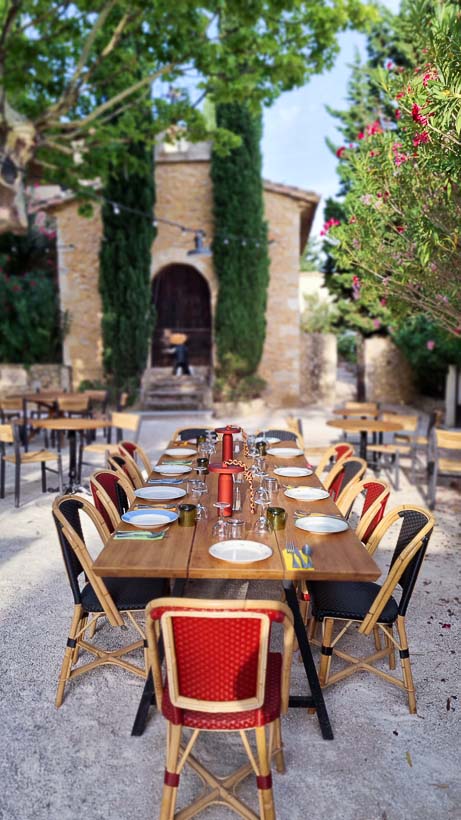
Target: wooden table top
{"type": "Point", "coordinates": [69, 424]}
{"type": "Point", "coordinates": [49, 396]}
{"type": "Point", "coordinates": [183, 553]}
{"type": "Point", "coordinates": [366, 425]}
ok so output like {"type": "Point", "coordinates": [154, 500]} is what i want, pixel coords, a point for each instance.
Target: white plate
{"type": "Point", "coordinates": [293, 472]}
{"type": "Point", "coordinates": [179, 452]}
{"type": "Point", "coordinates": [268, 439]}
{"type": "Point", "coordinates": [172, 469]}
{"type": "Point", "coordinates": [146, 518]}
{"type": "Point", "coordinates": [160, 493]}
{"type": "Point", "coordinates": [307, 493]}
{"type": "Point", "coordinates": [285, 452]}
{"type": "Point", "coordinates": [240, 552]}
{"type": "Point", "coordinates": [321, 524]}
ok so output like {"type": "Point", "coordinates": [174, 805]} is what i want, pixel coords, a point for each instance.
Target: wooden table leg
{"type": "Point", "coordinates": [148, 694]}
{"type": "Point", "coordinates": [315, 700]}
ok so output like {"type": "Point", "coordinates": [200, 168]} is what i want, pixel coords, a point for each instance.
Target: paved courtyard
{"type": "Point", "coordinates": [81, 762]}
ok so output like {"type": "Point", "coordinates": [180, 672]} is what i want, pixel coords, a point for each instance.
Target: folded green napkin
{"type": "Point", "coordinates": [139, 535]}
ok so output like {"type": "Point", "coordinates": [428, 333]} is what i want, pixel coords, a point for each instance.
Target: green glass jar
{"type": "Point", "coordinates": [187, 515]}
{"type": "Point", "coordinates": [277, 518]}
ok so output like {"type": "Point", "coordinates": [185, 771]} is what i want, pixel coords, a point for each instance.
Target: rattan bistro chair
{"type": "Point", "coordinates": [115, 599]}
{"type": "Point", "coordinates": [331, 455]}
{"type": "Point", "coordinates": [342, 475]}
{"type": "Point", "coordinates": [220, 676]}
{"type": "Point", "coordinates": [118, 422]}
{"type": "Point", "coordinates": [139, 456]}
{"type": "Point", "coordinates": [283, 435]}
{"type": "Point", "coordinates": [375, 497]}
{"type": "Point", "coordinates": [191, 433]}
{"type": "Point", "coordinates": [9, 434]}
{"type": "Point", "coordinates": [374, 607]}
{"type": "Point", "coordinates": [112, 495]}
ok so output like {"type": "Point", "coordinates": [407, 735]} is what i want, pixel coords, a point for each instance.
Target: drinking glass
{"type": "Point", "coordinates": [220, 528]}
{"type": "Point", "coordinates": [198, 489]}
{"type": "Point", "coordinates": [270, 484]}
{"type": "Point", "coordinates": [251, 441]}
{"type": "Point", "coordinates": [262, 501]}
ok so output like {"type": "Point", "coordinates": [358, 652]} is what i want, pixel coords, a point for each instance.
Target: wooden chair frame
{"type": "Point", "coordinates": [138, 451]}
{"type": "Point", "coordinates": [351, 492]}
{"type": "Point", "coordinates": [371, 623]}
{"type": "Point", "coordinates": [104, 497]}
{"type": "Point", "coordinates": [120, 422]}
{"type": "Point", "coordinates": [331, 453]}
{"type": "Point", "coordinates": [85, 622]}
{"type": "Point", "coordinates": [9, 434]}
{"type": "Point", "coordinates": [438, 465]}
{"type": "Point", "coordinates": [338, 467]}
{"type": "Point", "coordinates": [221, 789]}
{"type": "Point", "coordinates": [126, 467]}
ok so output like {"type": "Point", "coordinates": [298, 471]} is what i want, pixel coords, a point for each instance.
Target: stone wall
{"type": "Point", "coordinates": [319, 360]}
{"type": "Point", "coordinates": [388, 375]}
{"type": "Point", "coordinates": [78, 256]}
{"type": "Point", "coordinates": [15, 378]}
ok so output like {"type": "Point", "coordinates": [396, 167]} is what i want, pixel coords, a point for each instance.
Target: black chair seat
{"type": "Point", "coordinates": [127, 593]}
{"type": "Point", "coordinates": [350, 600]}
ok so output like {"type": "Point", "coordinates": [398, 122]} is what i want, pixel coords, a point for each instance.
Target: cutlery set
{"type": "Point", "coordinates": [303, 555]}
{"type": "Point", "coordinates": [140, 535]}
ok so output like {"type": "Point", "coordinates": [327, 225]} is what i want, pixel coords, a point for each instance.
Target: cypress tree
{"type": "Point", "coordinates": [124, 275]}
{"type": "Point", "coordinates": [240, 251]}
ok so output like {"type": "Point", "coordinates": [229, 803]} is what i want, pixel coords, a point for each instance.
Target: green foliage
{"type": "Point", "coordinates": [232, 383]}
{"type": "Point", "coordinates": [430, 350]}
{"type": "Point", "coordinates": [319, 315]}
{"type": "Point", "coordinates": [240, 252]}
{"type": "Point", "coordinates": [31, 327]}
{"type": "Point", "coordinates": [402, 209]}
{"type": "Point", "coordinates": [124, 277]}
{"type": "Point", "coordinates": [88, 76]}
{"type": "Point", "coordinates": [347, 345]}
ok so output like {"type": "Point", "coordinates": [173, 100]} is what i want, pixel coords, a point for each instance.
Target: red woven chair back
{"type": "Point", "coordinates": [344, 450]}
{"type": "Point", "coordinates": [373, 490]}
{"type": "Point", "coordinates": [216, 656]}
{"type": "Point", "coordinates": [108, 481]}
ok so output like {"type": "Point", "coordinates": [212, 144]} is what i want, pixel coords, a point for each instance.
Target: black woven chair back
{"type": "Point", "coordinates": [413, 521]}
{"type": "Point", "coordinates": [351, 469]}
{"type": "Point", "coordinates": [191, 432]}
{"type": "Point", "coordinates": [283, 435]}
{"type": "Point", "coordinates": [70, 508]}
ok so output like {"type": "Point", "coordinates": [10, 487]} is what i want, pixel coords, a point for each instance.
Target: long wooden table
{"type": "Point", "coordinates": [184, 554]}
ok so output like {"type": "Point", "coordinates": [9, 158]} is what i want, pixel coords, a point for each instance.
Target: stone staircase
{"type": "Point", "coordinates": [161, 390]}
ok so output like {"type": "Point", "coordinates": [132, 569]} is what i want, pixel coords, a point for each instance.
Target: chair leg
{"type": "Point", "coordinates": [171, 782]}
{"type": "Point", "coordinates": [377, 638]}
{"type": "Point", "coordinates": [326, 650]}
{"type": "Point", "coordinates": [69, 654]}
{"type": "Point", "coordinates": [279, 757]}
{"type": "Point", "coordinates": [2, 476]}
{"type": "Point", "coordinates": [17, 482]}
{"type": "Point", "coordinates": [397, 470]}
{"type": "Point", "coordinates": [43, 466]}
{"type": "Point", "coordinates": [406, 665]}
{"type": "Point", "coordinates": [264, 779]}
{"type": "Point", "coordinates": [390, 644]}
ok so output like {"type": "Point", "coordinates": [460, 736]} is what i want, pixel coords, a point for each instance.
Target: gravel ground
{"type": "Point", "coordinates": [81, 761]}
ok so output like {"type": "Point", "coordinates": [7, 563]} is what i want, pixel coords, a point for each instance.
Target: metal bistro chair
{"type": "Point", "coordinates": [444, 459]}
{"type": "Point", "coordinates": [113, 598]}
{"type": "Point", "coordinates": [374, 606]}
{"type": "Point", "coordinates": [9, 434]}
{"type": "Point", "coordinates": [401, 445]}
{"type": "Point", "coordinates": [220, 676]}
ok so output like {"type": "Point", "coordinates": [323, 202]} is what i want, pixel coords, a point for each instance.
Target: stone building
{"type": "Point", "coordinates": [184, 286]}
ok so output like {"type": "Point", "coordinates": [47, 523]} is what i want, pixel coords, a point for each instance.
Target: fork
{"type": "Point", "coordinates": [304, 514]}
{"type": "Point", "coordinates": [292, 550]}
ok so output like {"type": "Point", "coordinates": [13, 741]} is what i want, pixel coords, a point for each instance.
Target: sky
{"type": "Point", "coordinates": [295, 127]}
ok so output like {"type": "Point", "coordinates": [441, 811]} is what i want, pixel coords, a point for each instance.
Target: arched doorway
{"type": "Point", "coordinates": [182, 299]}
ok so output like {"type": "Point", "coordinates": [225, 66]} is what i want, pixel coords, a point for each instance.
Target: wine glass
{"type": "Point", "coordinates": [251, 442]}
{"type": "Point", "coordinates": [262, 501]}
{"type": "Point", "coordinates": [220, 527]}
{"type": "Point", "coordinates": [199, 488]}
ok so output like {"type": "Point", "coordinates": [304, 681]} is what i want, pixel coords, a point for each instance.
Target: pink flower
{"type": "Point", "coordinates": [330, 224]}
{"type": "Point", "coordinates": [383, 301]}
{"type": "Point", "coordinates": [374, 128]}
{"type": "Point", "coordinates": [421, 138]}
{"type": "Point", "coordinates": [360, 135]}
{"type": "Point", "coordinates": [398, 113]}
{"type": "Point", "coordinates": [417, 116]}
{"type": "Point", "coordinates": [367, 199]}
{"type": "Point", "coordinates": [389, 65]}
{"type": "Point", "coordinates": [400, 229]}
{"type": "Point", "coordinates": [376, 324]}
{"type": "Point", "coordinates": [400, 95]}
{"type": "Point", "coordinates": [430, 344]}
{"type": "Point", "coordinates": [340, 152]}
{"type": "Point", "coordinates": [352, 220]}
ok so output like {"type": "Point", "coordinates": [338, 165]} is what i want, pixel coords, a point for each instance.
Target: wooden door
{"type": "Point", "coordinates": [182, 299]}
